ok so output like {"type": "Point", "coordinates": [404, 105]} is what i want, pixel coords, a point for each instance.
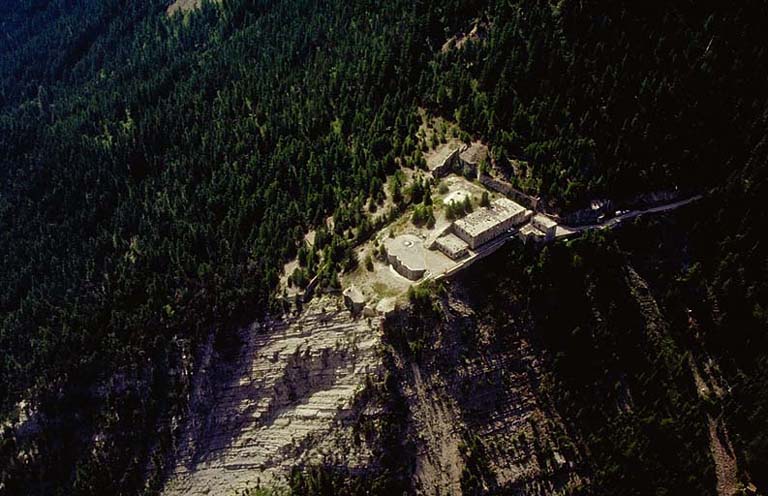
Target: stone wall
{"type": "Point", "coordinates": [450, 164]}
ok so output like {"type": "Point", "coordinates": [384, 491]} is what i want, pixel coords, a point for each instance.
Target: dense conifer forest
{"type": "Point", "coordinates": [156, 173]}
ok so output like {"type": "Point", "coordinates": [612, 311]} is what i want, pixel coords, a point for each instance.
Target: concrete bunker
{"type": "Point", "coordinates": [406, 255]}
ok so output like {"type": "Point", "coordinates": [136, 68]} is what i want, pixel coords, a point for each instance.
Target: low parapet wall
{"type": "Point", "coordinates": [480, 254]}
{"type": "Point", "coordinates": [448, 165]}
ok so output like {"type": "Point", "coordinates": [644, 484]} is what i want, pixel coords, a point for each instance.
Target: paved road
{"type": "Point", "coordinates": [614, 221]}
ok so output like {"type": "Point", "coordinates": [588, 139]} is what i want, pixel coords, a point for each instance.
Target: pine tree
{"type": "Point", "coordinates": [485, 200]}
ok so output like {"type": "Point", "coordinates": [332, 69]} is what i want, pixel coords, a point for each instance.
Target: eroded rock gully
{"type": "Point", "coordinates": [482, 386]}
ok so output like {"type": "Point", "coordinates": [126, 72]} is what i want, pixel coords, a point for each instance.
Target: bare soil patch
{"type": "Point", "coordinates": [182, 6]}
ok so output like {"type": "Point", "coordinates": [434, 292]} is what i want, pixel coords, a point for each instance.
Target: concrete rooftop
{"type": "Point", "coordinates": [483, 219]}
{"type": "Point", "coordinates": [452, 242]}
{"type": "Point", "coordinates": [409, 249]}
{"type": "Point", "coordinates": [545, 221]}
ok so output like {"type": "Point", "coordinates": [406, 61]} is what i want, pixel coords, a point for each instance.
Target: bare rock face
{"type": "Point", "coordinates": [290, 399]}
{"type": "Point", "coordinates": [295, 395]}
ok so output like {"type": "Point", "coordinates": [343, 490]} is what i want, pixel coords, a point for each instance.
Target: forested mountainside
{"type": "Point", "coordinates": [632, 324]}
{"type": "Point", "coordinates": [157, 171]}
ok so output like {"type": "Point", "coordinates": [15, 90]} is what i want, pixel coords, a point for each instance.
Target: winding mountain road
{"type": "Point", "coordinates": [563, 231]}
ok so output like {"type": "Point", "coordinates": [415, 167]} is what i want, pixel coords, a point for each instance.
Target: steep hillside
{"type": "Point", "coordinates": [158, 171]}
{"type": "Point", "coordinates": [476, 413]}
{"type": "Point", "coordinates": [650, 351]}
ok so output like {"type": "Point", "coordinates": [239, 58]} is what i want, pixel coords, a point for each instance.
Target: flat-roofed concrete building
{"type": "Point", "coordinates": [453, 246]}
{"type": "Point", "coordinates": [354, 299]}
{"type": "Point", "coordinates": [485, 224]}
{"type": "Point", "coordinates": [529, 233]}
{"type": "Point", "coordinates": [545, 225]}
{"type": "Point", "coordinates": [406, 255]}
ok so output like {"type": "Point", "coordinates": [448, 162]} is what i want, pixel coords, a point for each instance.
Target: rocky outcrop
{"type": "Point", "coordinates": [289, 399]}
